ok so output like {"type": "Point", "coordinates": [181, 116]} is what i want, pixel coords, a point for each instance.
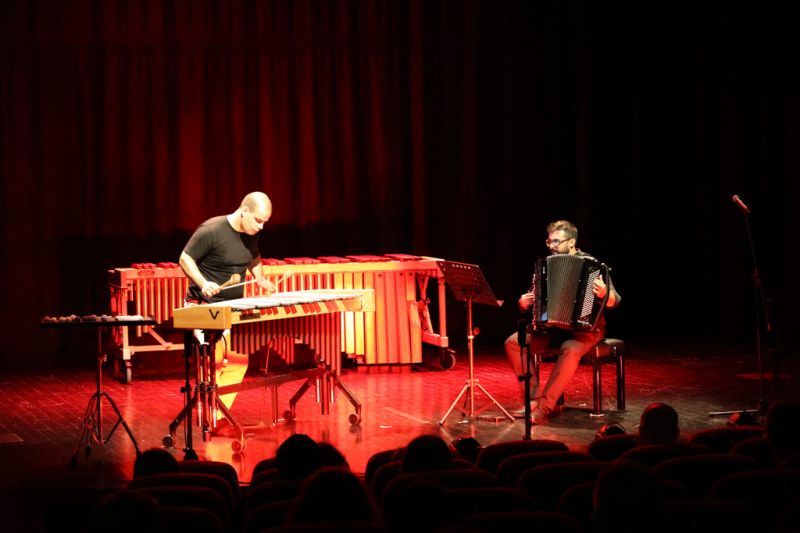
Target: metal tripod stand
{"type": "Point", "coordinates": [468, 285]}
{"type": "Point", "coordinates": [91, 430]}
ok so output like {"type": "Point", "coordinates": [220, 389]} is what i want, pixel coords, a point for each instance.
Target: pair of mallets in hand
{"type": "Point", "coordinates": [236, 281]}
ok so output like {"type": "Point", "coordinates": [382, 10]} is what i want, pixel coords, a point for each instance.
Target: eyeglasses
{"type": "Point", "coordinates": [556, 242]}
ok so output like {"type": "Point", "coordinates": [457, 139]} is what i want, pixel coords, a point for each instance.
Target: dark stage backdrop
{"type": "Point", "coordinates": [455, 129]}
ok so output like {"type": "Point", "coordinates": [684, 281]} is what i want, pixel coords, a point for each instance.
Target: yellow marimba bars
{"type": "Point", "coordinates": [391, 334]}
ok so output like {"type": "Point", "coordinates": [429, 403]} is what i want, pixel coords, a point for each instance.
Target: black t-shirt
{"type": "Point", "coordinates": [220, 252]}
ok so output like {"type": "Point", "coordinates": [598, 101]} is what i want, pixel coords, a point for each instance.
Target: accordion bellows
{"type": "Point", "coordinates": [563, 295]}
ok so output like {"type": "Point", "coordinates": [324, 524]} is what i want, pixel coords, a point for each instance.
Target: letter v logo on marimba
{"type": "Point", "coordinates": [214, 314]}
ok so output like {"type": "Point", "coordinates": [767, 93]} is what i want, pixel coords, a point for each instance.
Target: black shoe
{"type": "Point", "coordinates": [520, 412]}
{"type": "Point", "coordinates": [517, 413]}
{"type": "Point", "coordinates": [541, 415]}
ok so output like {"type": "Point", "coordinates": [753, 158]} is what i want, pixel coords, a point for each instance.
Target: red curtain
{"type": "Point", "coordinates": [452, 128]}
{"type": "Point", "coordinates": [151, 115]}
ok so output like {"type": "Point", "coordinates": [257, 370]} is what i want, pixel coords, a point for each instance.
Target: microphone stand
{"type": "Point", "coordinates": [761, 310]}
{"type": "Point", "coordinates": [525, 356]}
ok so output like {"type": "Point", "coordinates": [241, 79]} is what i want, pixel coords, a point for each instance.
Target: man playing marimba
{"type": "Point", "coordinates": [223, 248]}
{"type": "Point", "coordinates": [217, 256]}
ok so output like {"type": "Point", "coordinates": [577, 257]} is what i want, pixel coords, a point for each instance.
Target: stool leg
{"type": "Point", "coordinates": [620, 360]}
{"type": "Point", "coordinates": [597, 400]}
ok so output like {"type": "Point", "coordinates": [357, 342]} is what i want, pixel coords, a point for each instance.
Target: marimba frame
{"type": "Point", "coordinates": [204, 397]}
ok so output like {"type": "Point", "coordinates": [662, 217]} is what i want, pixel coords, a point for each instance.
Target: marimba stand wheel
{"type": "Point", "coordinates": [127, 373]}
{"type": "Point", "coordinates": [355, 419]}
{"type": "Point", "coordinates": [168, 441]}
{"type": "Point", "coordinates": [289, 415]}
{"type": "Point", "coordinates": [447, 358]}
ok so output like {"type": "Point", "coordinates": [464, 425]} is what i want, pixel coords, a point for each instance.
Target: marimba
{"type": "Point", "coordinates": [314, 317]}
{"type": "Point", "coordinates": [391, 334]}
{"type": "Point", "coordinates": [145, 289]}
{"type": "Point", "coordinates": [394, 333]}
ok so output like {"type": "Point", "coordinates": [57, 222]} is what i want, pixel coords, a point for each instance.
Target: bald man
{"type": "Point", "coordinates": [223, 246]}
{"type": "Point", "coordinates": [220, 248]}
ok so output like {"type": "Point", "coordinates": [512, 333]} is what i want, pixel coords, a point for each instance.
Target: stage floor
{"type": "Point", "coordinates": [39, 424]}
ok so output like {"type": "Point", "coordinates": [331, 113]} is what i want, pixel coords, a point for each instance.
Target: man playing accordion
{"type": "Point", "coordinates": [573, 344]}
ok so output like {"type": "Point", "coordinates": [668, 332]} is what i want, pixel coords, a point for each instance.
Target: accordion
{"type": "Point", "coordinates": [563, 292]}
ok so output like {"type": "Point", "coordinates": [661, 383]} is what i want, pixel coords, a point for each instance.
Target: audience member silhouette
{"type": "Point", "coordinates": [155, 461]}
{"type": "Point", "coordinates": [331, 456]}
{"type": "Point", "coordinates": [426, 453]}
{"type": "Point", "coordinates": [421, 506]}
{"type": "Point", "coordinates": [658, 424]}
{"type": "Point", "coordinates": [609, 430]}
{"type": "Point", "coordinates": [128, 511]}
{"type": "Point", "coordinates": [781, 425]}
{"type": "Point", "coordinates": [628, 497]}
{"type": "Point", "coordinates": [333, 495]}
{"type": "Point", "coordinates": [297, 457]}
{"type": "Point", "coordinates": [467, 448]}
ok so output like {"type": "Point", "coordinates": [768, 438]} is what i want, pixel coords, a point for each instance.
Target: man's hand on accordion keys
{"type": "Point", "coordinates": [526, 301]}
{"type": "Point", "coordinates": [600, 288]}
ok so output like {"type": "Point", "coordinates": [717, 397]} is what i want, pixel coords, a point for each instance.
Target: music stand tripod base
{"type": "Point", "coordinates": [91, 431]}
{"type": "Point", "coordinates": [468, 284]}
{"type": "Point", "coordinates": [92, 425]}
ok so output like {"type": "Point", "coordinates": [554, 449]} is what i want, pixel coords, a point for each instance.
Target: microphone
{"type": "Point", "coordinates": [738, 201]}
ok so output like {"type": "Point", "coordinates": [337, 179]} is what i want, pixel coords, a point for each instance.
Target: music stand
{"type": "Point", "coordinates": [468, 285]}
{"type": "Point", "coordinates": [91, 430]}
